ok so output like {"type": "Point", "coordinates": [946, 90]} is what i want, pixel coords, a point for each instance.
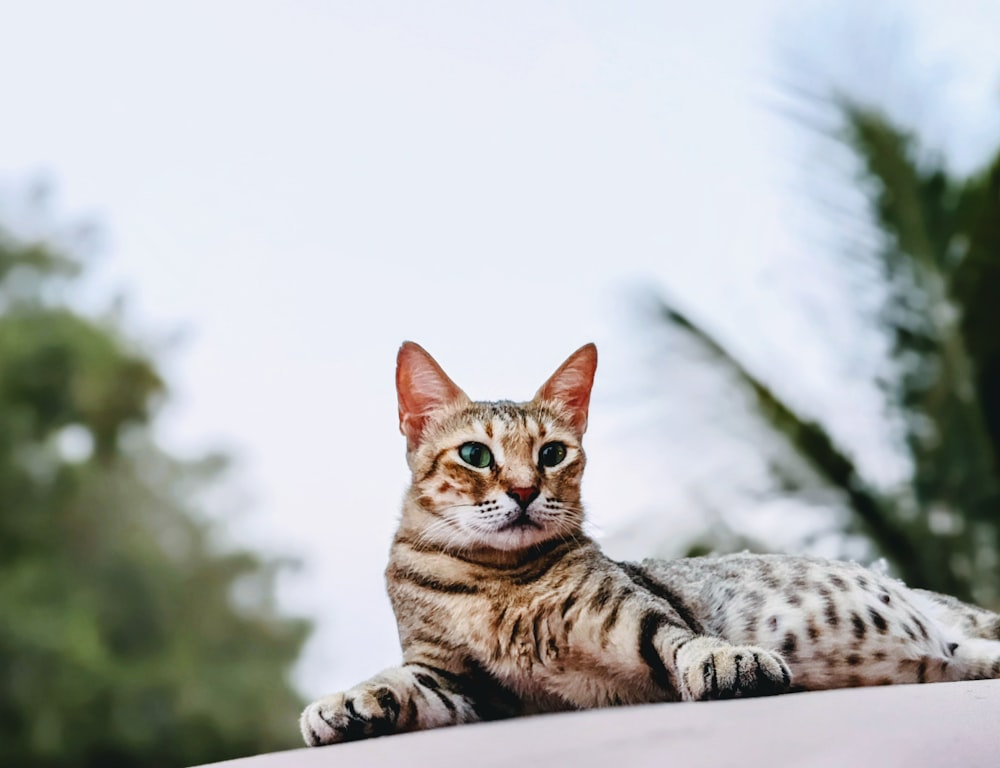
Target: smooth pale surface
{"type": "Point", "coordinates": [908, 725]}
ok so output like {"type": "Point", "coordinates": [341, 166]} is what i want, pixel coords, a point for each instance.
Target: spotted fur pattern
{"type": "Point", "coordinates": [505, 607]}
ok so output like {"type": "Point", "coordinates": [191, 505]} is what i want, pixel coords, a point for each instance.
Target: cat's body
{"type": "Point", "coordinates": [505, 607]}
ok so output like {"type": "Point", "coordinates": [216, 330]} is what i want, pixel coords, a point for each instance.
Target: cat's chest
{"type": "Point", "coordinates": [519, 629]}
{"type": "Point", "coordinates": [532, 637]}
{"type": "Point", "coordinates": [525, 643]}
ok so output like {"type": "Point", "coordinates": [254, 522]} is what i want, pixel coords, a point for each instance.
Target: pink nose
{"type": "Point", "coordinates": [523, 496]}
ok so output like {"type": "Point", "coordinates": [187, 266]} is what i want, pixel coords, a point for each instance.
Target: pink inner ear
{"type": "Point", "coordinates": [571, 384]}
{"type": "Point", "coordinates": [422, 388]}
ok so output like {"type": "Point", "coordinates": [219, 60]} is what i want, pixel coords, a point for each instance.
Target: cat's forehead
{"type": "Point", "coordinates": [504, 417]}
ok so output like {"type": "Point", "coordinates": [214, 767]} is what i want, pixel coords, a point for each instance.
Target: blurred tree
{"type": "Point", "coordinates": [937, 251]}
{"type": "Point", "coordinates": [126, 637]}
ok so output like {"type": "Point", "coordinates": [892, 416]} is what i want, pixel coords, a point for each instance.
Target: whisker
{"type": "Point", "coordinates": [429, 534]}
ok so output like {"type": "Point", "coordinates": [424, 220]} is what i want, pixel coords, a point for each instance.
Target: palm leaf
{"type": "Point", "coordinates": [809, 440]}
{"type": "Point", "coordinates": [939, 256]}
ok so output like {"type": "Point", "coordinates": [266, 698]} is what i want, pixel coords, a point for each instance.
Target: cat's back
{"type": "Point", "coordinates": [837, 623]}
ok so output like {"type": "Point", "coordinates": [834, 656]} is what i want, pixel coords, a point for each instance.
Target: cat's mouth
{"type": "Point", "coordinates": [521, 521]}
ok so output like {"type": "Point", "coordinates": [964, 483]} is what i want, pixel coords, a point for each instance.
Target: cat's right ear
{"type": "Point", "coordinates": [569, 387]}
{"type": "Point", "coordinates": [422, 388]}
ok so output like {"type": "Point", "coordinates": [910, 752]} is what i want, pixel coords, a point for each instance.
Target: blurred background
{"type": "Point", "coordinates": [779, 220]}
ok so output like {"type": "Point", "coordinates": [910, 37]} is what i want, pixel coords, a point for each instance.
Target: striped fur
{"type": "Point", "coordinates": [506, 608]}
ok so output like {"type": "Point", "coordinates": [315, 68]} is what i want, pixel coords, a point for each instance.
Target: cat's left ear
{"type": "Point", "coordinates": [569, 387]}
{"type": "Point", "coordinates": [423, 389]}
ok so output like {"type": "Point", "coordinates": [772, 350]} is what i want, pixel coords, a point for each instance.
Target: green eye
{"type": "Point", "coordinates": [476, 455]}
{"type": "Point", "coordinates": [551, 454]}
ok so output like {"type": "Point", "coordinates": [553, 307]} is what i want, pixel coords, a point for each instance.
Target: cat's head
{"type": "Point", "coordinates": [502, 476]}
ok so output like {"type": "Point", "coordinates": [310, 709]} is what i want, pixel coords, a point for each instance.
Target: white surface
{"type": "Point", "coordinates": [949, 724]}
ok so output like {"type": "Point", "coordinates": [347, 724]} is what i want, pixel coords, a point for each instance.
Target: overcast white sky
{"type": "Point", "coordinates": [302, 185]}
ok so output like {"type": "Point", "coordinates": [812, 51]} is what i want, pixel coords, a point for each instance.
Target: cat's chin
{"type": "Point", "coordinates": [521, 523]}
{"type": "Point", "coordinates": [510, 539]}
{"type": "Point", "coordinates": [513, 538]}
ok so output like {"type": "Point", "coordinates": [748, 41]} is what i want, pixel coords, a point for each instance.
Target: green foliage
{"type": "Point", "coordinates": [126, 637]}
{"type": "Point", "coordinates": [938, 256]}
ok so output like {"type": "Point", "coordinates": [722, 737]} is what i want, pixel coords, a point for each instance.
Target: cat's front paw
{"type": "Point", "coordinates": [362, 712]}
{"type": "Point", "coordinates": [728, 671]}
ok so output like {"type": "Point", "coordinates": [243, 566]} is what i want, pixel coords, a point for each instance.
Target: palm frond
{"type": "Point", "coordinates": [809, 440]}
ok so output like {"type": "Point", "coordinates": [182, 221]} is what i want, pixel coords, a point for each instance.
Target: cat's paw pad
{"type": "Point", "coordinates": [736, 671]}
{"type": "Point", "coordinates": [355, 714]}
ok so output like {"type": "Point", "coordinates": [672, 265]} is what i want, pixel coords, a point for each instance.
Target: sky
{"type": "Point", "coordinates": [285, 191]}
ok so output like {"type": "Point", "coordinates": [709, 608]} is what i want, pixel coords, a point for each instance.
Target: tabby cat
{"type": "Point", "coordinates": [505, 607]}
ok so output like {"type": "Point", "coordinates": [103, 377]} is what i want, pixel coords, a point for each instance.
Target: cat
{"type": "Point", "coordinates": [505, 607]}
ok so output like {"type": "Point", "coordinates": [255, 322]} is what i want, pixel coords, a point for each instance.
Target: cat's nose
{"type": "Point", "coordinates": [523, 496]}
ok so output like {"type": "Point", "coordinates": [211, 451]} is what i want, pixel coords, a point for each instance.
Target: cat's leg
{"type": "Point", "coordinates": [683, 659]}
{"type": "Point", "coordinates": [974, 659]}
{"type": "Point", "coordinates": [973, 634]}
{"type": "Point", "coordinates": [709, 668]}
{"type": "Point", "coordinates": [408, 698]}
{"type": "Point", "coordinates": [949, 612]}
{"type": "Point", "coordinates": [698, 667]}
